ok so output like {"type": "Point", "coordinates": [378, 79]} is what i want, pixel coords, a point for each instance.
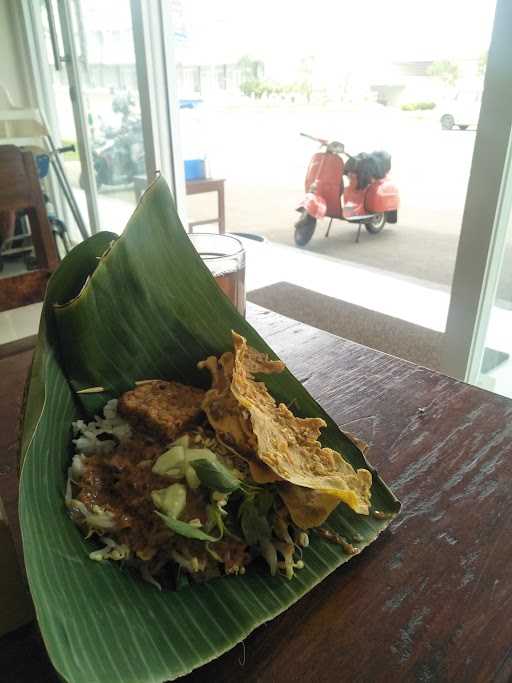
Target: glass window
{"type": "Point", "coordinates": [496, 366]}
{"type": "Point", "coordinates": [110, 93]}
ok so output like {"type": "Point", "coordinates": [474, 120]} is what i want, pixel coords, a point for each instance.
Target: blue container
{"type": "Point", "coordinates": [43, 165]}
{"type": "Point", "coordinates": [195, 169]}
{"type": "Point", "coordinates": [189, 104]}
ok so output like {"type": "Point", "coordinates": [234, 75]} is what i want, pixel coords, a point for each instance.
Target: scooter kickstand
{"type": "Point", "coordinates": [328, 228]}
{"type": "Point", "coordinates": [358, 233]}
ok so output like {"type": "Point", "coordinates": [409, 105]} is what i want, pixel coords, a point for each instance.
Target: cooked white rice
{"type": "Point", "coordinates": [111, 423]}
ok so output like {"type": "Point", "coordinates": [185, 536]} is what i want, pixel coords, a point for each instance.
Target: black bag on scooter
{"type": "Point", "coordinates": [383, 163]}
{"type": "Point", "coordinates": [369, 167]}
{"type": "Point", "coordinates": [365, 168]}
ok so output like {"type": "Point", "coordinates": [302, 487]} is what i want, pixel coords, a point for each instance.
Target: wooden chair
{"type": "Point", "coordinates": [20, 189]}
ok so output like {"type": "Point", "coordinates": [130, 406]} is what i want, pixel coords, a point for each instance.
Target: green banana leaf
{"type": "Point", "coordinates": [149, 308]}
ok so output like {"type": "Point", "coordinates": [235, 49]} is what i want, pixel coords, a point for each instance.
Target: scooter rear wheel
{"type": "Point", "coordinates": [304, 229]}
{"type": "Point", "coordinates": [376, 224]}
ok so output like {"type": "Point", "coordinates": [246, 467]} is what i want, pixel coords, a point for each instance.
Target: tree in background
{"type": "Point", "coordinates": [252, 83]}
{"type": "Point", "coordinates": [251, 73]}
{"type": "Point", "coordinates": [305, 85]}
{"type": "Point", "coordinates": [446, 71]}
{"type": "Point", "coordinates": [252, 88]}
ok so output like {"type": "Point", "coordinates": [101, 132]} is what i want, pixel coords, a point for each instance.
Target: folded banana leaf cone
{"type": "Point", "coordinates": [118, 310]}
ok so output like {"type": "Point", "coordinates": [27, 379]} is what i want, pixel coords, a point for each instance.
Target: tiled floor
{"type": "Point", "coordinates": [412, 300]}
{"type": "Point", "coordinates": [19, 323]}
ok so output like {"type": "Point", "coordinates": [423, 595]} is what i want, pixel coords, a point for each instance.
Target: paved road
{"type": "Point", "coordinates": [264, 160]}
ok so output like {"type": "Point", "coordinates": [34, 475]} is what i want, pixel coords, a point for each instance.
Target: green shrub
{"type": "Point", "coordinates": [418, 106]}
{"type": "Point", "coordinates": [253, 87]}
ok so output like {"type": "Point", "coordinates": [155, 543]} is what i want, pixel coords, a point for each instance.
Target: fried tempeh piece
{"type": "Point", "coordinates": [162, 409]}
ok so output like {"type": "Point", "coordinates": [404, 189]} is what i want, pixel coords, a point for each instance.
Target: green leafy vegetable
{"type": "Point", "coordinates": [264, 501]}
{"type": "Point", "coordinates": [185, 529]}
{"type": "Point", "coordinates": [215, 518]}
{"type": "Point", "coordinates": [199, 454]}
{"type": "Point", "coordinates": [255, 526]}
{"type": "Point", "coordinates": [215, 476]}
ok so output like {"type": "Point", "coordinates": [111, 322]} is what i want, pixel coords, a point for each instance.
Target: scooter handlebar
{"type": "Point", "coordinates": [336, 147]}
{"type": "Point", "coordinates": [311, 137]}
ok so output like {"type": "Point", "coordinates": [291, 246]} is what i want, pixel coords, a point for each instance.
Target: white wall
{"type": "Point", "coordinates": [14, 71]}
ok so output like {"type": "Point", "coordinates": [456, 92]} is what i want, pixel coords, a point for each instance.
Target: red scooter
{"type": "Point", "coordinates": [369, 198]}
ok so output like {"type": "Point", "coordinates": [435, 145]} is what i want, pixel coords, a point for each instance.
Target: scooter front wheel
{"type": "Point", "coordinates": [376, 224]}
{"type": "Point", "coordinates": [304, 229]}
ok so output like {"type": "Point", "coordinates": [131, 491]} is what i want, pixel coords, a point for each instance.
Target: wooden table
{"type": "Point", "coordinates": [209, 185]}
{"type": "Point", "coordinates": [140, 183]}
{"type": "Point", "coordinates": [431, 599]}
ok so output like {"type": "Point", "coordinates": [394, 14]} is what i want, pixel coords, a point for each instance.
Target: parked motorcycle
{"type": "Point", "coordinates": [118, 153]}
{"type": "Point", "coordinates": [369, 198]}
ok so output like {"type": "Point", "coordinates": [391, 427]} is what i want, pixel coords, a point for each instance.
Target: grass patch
{"type": "Point", "coordinates": [418, 106]}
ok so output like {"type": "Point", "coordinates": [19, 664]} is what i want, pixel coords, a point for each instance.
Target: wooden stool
{"type": "Point", "coordinates": [20, 189]}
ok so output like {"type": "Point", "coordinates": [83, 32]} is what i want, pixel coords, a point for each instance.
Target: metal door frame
{"type": "Point", "coordinates": [70, 58]}
{"type": "Point", "coordinates": [156, 76]}
{"type": "Point", "coordinates": [486, 212]}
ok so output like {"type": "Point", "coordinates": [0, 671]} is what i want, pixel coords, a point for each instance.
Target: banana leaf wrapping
{"type": "Point", "coordinates": [149, 308]}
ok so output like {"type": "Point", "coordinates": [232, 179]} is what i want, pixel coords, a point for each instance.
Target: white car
{"type": "Point", "coordinates": [462, 111]}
